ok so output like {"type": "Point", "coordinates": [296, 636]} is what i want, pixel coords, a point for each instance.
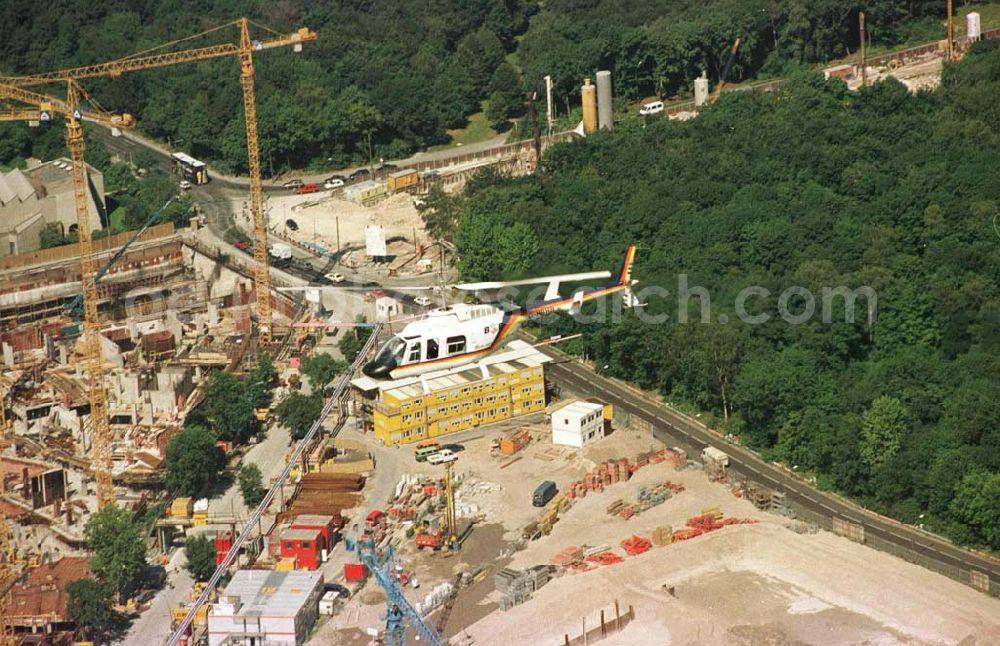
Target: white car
{"type": "Point", "coordinates": [185, 185]}
{"type": "Point", "coordinates": [442, 456]}
{"type": "Point", "coordinates": [422, 301]}
{"type": "Point", "coordinates": [336, 278]}
{"type": "Point", "coordinates": [333, 183]}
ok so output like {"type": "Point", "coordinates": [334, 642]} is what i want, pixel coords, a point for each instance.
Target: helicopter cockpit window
{"type": "Point", "coordinates": [392, 352]}
{"type": "Point", "coordinates": [456, 345]}
{"type": "Point", "coordinates": [432, 349]}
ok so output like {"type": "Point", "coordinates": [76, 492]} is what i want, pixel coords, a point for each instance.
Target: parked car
{"type": "Point", "coordinates": [388, 168]}
{"type": "Point", "coordinates": [242, 246]}
{"type": "Point", "coordinates": [442, 456]}
{"type": "Point", "coordinates": [422, 301]}
{"type": "Point", "coordinates": [340, 590]}
{"type": "Point", "coordinates": [307, 188]}
{"type": "Point", "coordinates": [544, 493]}
{"type": "Point", "coordinates": [331, 184]}
{"type": "Point", "coordinates": [185, 185]}
{"type": "Point", "coordinates": [333, 177]}
{"type": "Point", "coordinates": [656, 107]}
{"type": "Point", "coordinates": [335, 277]}
{"type": "Point", "coordinates": [360, 174]}
{"type": "Point", "coordinates": [293, 183]}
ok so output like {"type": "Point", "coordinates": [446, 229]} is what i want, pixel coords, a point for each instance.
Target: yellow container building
{"type": "Point", "coordinates": [505, 385]}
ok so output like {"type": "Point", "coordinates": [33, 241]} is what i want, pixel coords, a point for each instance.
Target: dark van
{"type": "Point", "coordinates": [544, 493]}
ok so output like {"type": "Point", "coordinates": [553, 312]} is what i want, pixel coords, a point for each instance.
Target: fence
{"type": "Point", "coordinates": [72, 251]}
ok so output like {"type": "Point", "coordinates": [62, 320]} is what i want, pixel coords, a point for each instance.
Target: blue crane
{"type": "Point", "coordinates": [399, 608]}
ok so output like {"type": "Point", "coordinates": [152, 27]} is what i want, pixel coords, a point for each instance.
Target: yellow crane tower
{"type": "Point", "coordinates": [10, 87]}
{"type": "Point", "coordinates": [7, 573]}
{"type": "Point", "coordinates": [42, 108]}
{"type": "Point", "coordinates": [450, 520]}
{"type": "Point", "coordinates": [244, 51]}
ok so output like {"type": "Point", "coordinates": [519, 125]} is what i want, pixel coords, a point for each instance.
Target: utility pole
{"type": "Point", "coordinates": [861, 31]}
{"type": "Point", "coordinates": [951, 31]}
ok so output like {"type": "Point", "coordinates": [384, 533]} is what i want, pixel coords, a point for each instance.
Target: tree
{"type": "Point", "coordinates": [116, 538]}
{"type": "Point", "coordinates": [89, 606]}
{"type": "Point", "coordinates": [506, 98]}
{"type": "Point", "coordinates": [883, 426]}
{"type": "Point", "coordinates": [298, 412]}
{"type": "Point", "coordinates": [200, 553]}
{"type": "Point", "coordinates": [261, 380]}
{"type": "Point", "coordinates": [51, 235]}
{"type": "Point", "coordinates": [440, 210]}
{"type": "Point", "coordinates": [977, 507]}
{"type": "Point", "coordinates": [251, 484]}
{"type": "Point", "coordinates": [321, 369]}
{"type": "Point", "coordinates": [352, 343]}
{"type": "Point", "coordinates": [229, 407]}
{"type": "Point", "coordinates": [193, 462]}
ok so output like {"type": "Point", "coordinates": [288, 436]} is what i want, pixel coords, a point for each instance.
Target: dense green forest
{"type": "Point", "coordinates": [390, 77]}
{"type": "Point", "coordinates": [811, 186]}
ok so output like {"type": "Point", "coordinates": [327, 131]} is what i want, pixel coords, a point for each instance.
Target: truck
{"type": "Point", "coordinates": [543, 493]}
{"type": "Point", "coordinates": [281, 254]}
{"type": "Point", "coordinates": [712, 454]}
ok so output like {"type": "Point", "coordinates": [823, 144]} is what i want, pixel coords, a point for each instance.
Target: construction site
{"type": "Point", "coordinates": [494, 500]}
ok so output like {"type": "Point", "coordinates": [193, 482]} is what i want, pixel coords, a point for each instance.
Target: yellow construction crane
{"type": "Point", "coordinates": [42, 109]}
{"type": "Point", "coordinates": [7, 572]}
{"type": "Point", "coordinates": [12, 88]}
{"type": "Point", "coordinates": [450, 520]}
{"type": "Point", "coordinates": [244, 51]}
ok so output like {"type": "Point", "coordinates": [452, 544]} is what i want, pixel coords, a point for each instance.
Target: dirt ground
{"type": "Point", "coordinates": [765, 583]}
{"type": "Point", "coordinates": [317, 214]}
{"type": "Point", "coordinates": [919, 75]}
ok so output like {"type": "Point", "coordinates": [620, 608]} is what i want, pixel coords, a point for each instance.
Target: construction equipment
{"type": "Point", "coordinates": [723, 78]}
{"type": "Point", "coordinates": [244, 51]}
{"type": "Point", "coordinates": [12, 88]}
{"type": "Point", "coordinates": [46, 105]}
{"type": "Point", "coordinates": [398, 606]}
{"type": "Point", "coordinates": [7, 571]}
{"type": "Point", "coordinates": [447, 535]}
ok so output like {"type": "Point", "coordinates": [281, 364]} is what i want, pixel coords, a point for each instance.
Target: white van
{"type": "Point", "coordinates": [656, 107]}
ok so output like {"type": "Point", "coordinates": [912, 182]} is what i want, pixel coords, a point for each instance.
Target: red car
{"type": "Point", "coordinates": [307, 188]}
{"type": "Point", "coordinates": [242, 246]}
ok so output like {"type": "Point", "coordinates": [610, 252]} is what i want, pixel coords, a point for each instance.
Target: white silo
{"type": "Point", "coordinates": [973, 27]}
{"type": "Point", "coordinates": [700, 90]}
{"type": "Point", "coordinates": [605, 109]}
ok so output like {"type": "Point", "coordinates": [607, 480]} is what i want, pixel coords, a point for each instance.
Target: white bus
{"type": "Point", "coordinates": [190, 168]}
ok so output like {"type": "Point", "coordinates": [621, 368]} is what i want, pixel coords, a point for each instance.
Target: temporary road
{"type": "Point", "coordinates": [668, 426]}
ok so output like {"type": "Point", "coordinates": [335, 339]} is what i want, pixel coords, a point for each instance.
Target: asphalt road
{"type": "Point", "coordinates": [669, 425]}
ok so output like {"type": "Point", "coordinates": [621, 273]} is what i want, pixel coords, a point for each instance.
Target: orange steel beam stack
{"type": "Point", "coordinates": [244, 51]}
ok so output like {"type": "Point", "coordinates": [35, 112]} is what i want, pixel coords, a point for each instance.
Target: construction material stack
{"type": "Point", "coordinates": [517, 586]}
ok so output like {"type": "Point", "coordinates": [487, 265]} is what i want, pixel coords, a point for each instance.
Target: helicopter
{"type": "Point", "coordinates": [463, 333]}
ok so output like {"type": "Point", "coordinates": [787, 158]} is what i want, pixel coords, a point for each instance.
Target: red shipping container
{"type": "Point", "coordinates": [354, 572]}
{"type": "Point", "coordinates": [223, 543]}
{"type": "Point", "coordinates": [304, 545]}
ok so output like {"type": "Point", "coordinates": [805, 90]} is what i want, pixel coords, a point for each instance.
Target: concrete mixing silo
{"type": "Point", "coordinates": [589, 95]}
{"type": "Point", "coordinates": [605, 109]}
{"type": "Point", "coordinates": [700, 90]}
{"type": "Point", "coordinates": [973, 31]}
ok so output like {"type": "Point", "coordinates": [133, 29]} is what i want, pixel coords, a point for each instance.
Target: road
{"type": "Point", "coordinates": [669, 425]}
{"type": "Point", "coordinates": [153, 625]}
